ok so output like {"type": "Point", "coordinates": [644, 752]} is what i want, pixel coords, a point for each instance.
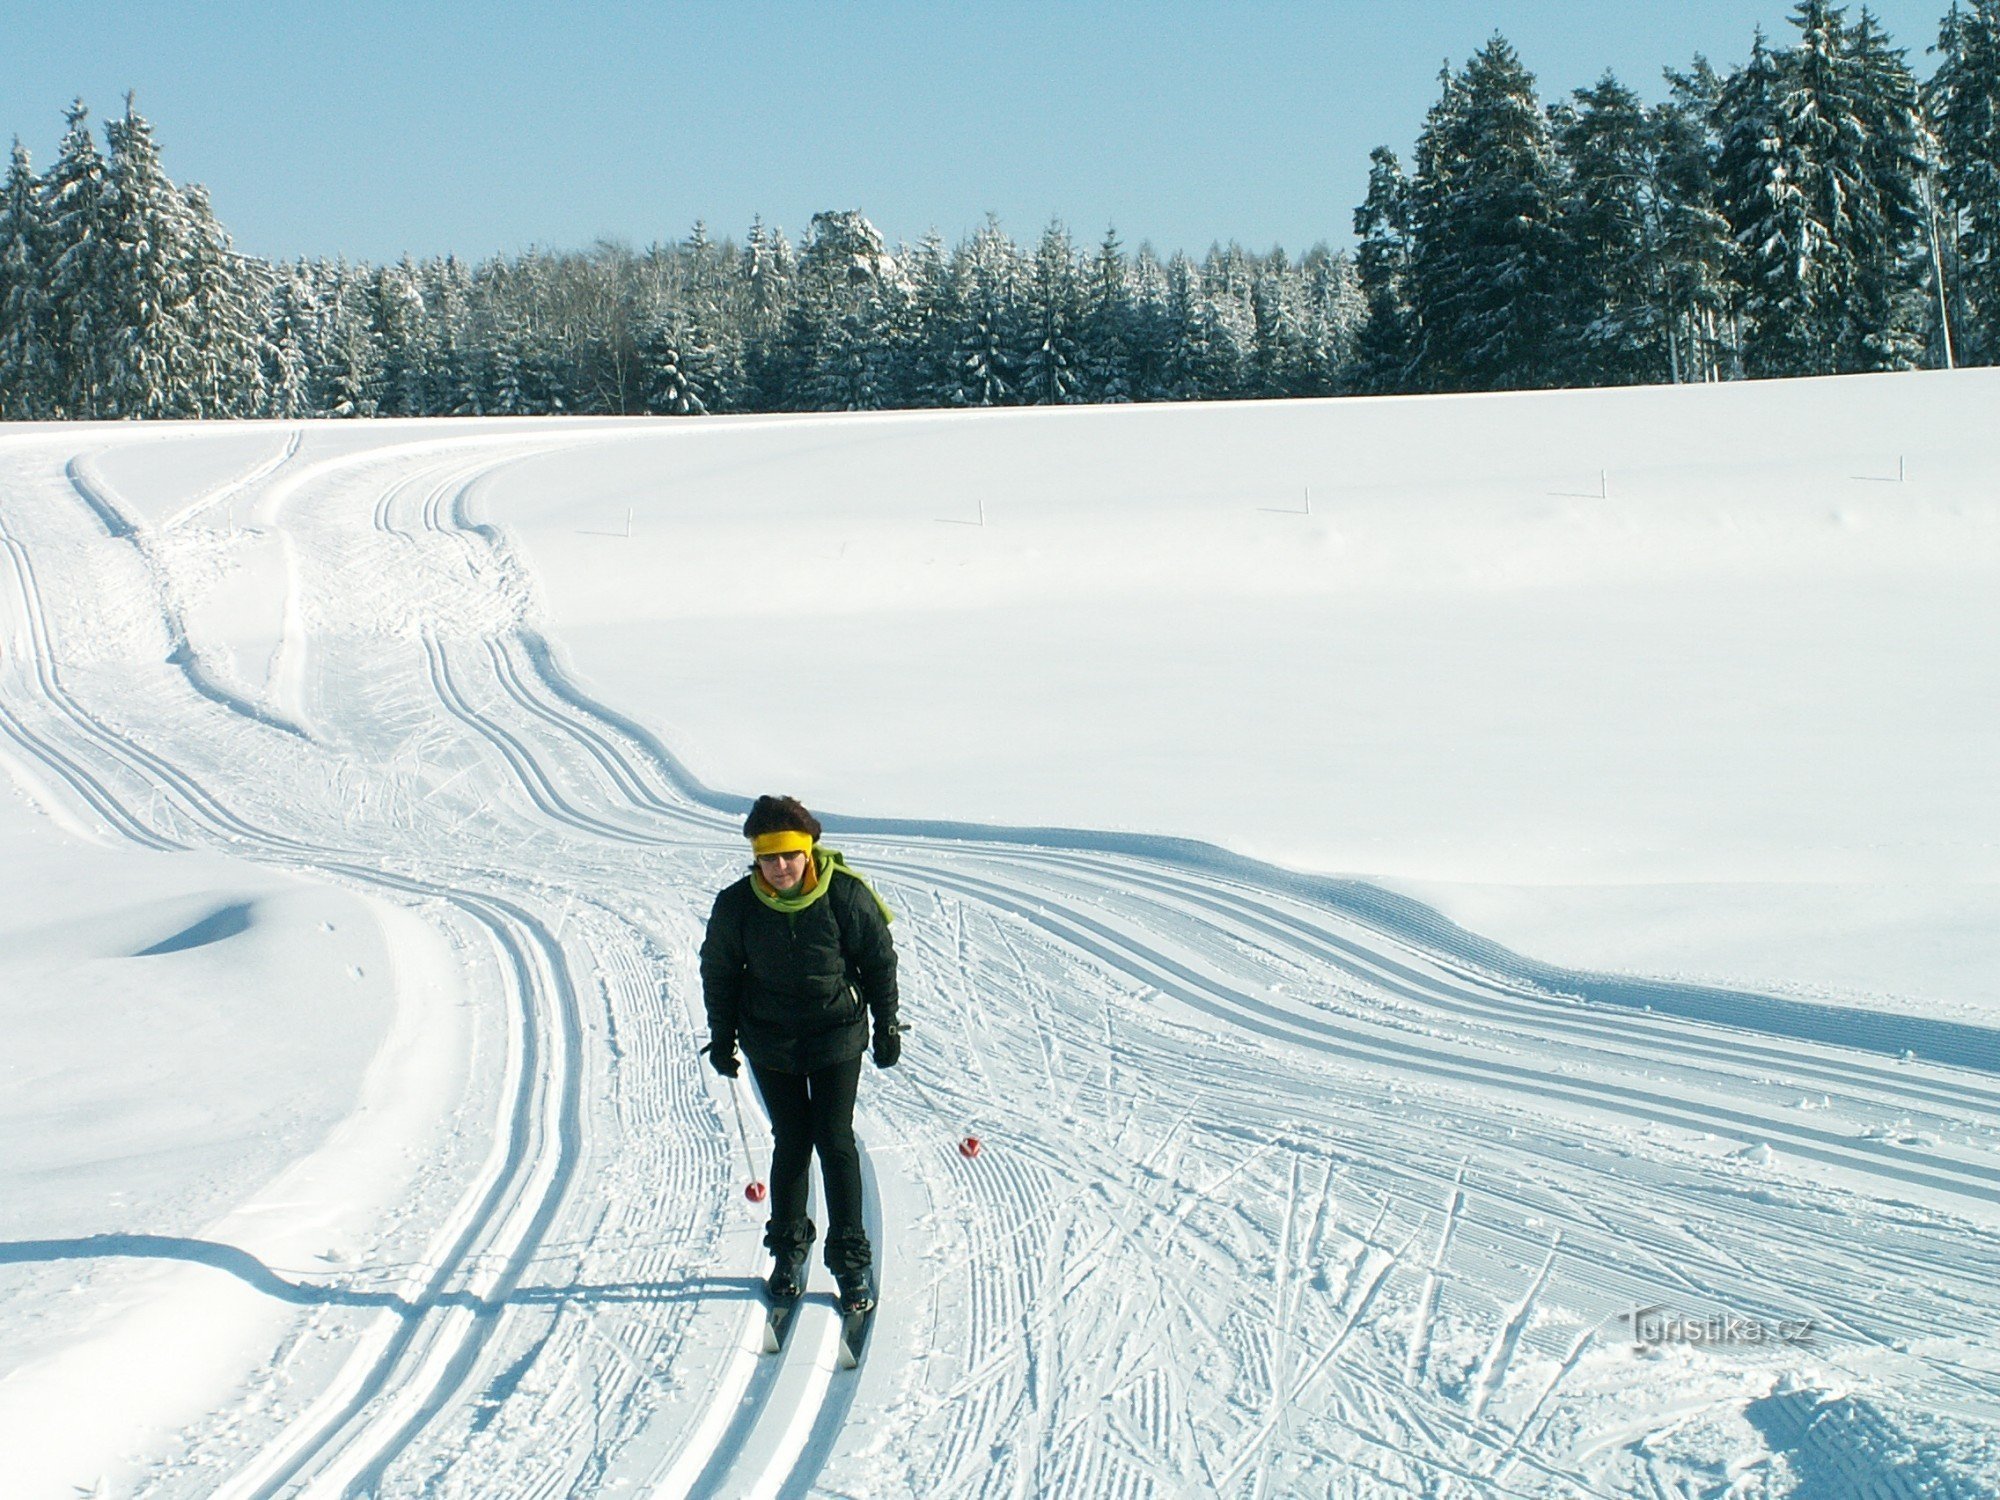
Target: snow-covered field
{"type": "Point", "coordinates": [1430, 904]}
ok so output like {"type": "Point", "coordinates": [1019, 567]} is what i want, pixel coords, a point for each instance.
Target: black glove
{"type": "Point", "coordinates": [722, 1056]}
{"type": "Point", "coordinates": [888, 1044]}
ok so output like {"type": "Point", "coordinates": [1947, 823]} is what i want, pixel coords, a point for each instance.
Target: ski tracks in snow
{"type": "Point", "coordinates": [1274, 1202]}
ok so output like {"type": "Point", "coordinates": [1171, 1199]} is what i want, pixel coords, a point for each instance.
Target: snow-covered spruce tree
{"type": "Point", "coordinates": [400, 327]}
{"type": "Point", "coordinates": [1277, 334]}
{"type": "Point", "coordinates": [714, 297]}
{"type": "Point", "coordinates": [988, 273]}
{"type": "Point", "coordinates": [1051, 359]}
{"type": "Point", "coordinates": [1964, 99]}
{"type": "Point", "coordinates": [292, 325]}
{"type": "Point", "coordinates": [1106, 330]}
{"type": "Point", "coordinates": [1700, 260]}
{"type": "Point", "coordinates": [1329, 300]}
{"type": "Point", "coordinates": [925, 336]}
{"type": "Point", "coordinates": [1612, 218]}
{"type": "Point", "coordinates": [852, 368]}
{"type": "Point", "coordinates": [1148, 327]}
{"type": "Point", "coordinates": [1386, 346]}
{"type": "Point", "coordinates": [1823, 152]}
{"type": "Point", "coordinates": [1220, 358]}
{"type": "Point", "coordinates": [1182, 333]}
{"type": "Point", "coordinates": [348, 379]}
{"type": "Point", "coordinates": [227, 376]}
{"type": "Point", "coordinates": [1791, 266]}
{"type": "Point", "coordinates": [145, 289]}
{"type": "Point", "coordinates": [679, 363]}
{"type": "Point", "coordinates": [827, 356]}
{"type": "Point", "coordinates": [1491, 274]}
{"type": "Point", "coordinates": [453, 387]}
{"type": "Point", "coordinates": [82, 324]}
{"type": "Point", "coordinates": [766, 272]}
{"type": "Point", "coordinates": [29, 378]}
{"type": "Point", "coordinates": [1889, 317]}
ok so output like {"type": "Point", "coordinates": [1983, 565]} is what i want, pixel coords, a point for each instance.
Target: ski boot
{"type": "Point", "coordinates": [857, 1297]}
{"type": "Point", "coordinates": [787, 1281]}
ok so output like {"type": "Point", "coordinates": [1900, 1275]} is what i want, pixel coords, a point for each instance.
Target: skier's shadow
{"type": "Point", "coordinates": [251, 1271]}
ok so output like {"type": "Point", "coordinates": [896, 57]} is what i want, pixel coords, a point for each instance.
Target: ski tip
{"type": "Point", "coordinates": [777, 1321]}
{"type": "Point", "coordinates": [854, 1337]}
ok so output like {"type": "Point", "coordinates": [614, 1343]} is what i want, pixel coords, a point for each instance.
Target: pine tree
{"type": "Point", "coordinates": [1824, 150]}
{"type": "Point", "coordinates": [1221, 364]}
{"type": "Point", "coordinates": [1333, 311]}
{"type": "Point", "coordinates": [81, 325]}
{"type": "Point", "coordinates": [1052, 362]}
{"type": "Point", "coordinates": [1700, 262]}
{"type": "Point", "coordinates": [1611, 216]}
{"type": "Point", "coordinates": [28, 373]}
{"type": "Point", "coordinates": [349, 377]}
{"type": "Point", "coordinates": [988, 275]}
{"type": "Point", "coordinates": [680, 364]}
{"type": "Point", "coordinates": [1490, 277]}
{"type": "Point", "coordinates": [1964, 97]}
{"type": "Point", "coordinates": [227, 372]}
{"type": "Point", "coordinates": [400, 326]}
{"type": "Point", "coordinates": [291, 342]}
{"type": "Point", "coordinates": [1386, 346]}
{"type": "Point", "coordinates": [1106, 333]}
{"type": "Point", "coordinates": [150, 343]}
{"type": "Point", "coordinates": [926, 336]}
{"type": "Point", "coordinates": [453, 385]}
{"type": "Point", "coordinates": [1791, 266]}
{"type": "Point", "coordinates": [1149, 327]}
{"type": "Point", "coordinates": [1887, 316]}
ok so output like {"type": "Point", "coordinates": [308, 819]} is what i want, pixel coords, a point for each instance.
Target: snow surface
{"type": "Point", "coordinates": [1400, 888]}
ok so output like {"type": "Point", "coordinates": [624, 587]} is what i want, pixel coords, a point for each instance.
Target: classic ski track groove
{"type": "Point", "coordinates": [489, 1252]}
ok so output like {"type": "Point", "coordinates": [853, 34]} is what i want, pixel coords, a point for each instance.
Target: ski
{"type": "Point", "coordinates": [778, 1322]}
{"type": "Point", "coordinates": [854, 1330]}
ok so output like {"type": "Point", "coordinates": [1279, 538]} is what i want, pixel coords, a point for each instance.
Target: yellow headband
{"type": "Point", "coordinates": [788, 842]}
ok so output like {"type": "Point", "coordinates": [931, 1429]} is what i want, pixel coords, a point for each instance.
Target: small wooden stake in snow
{"type": "Point", "coordinates": [1603, 486]}
{"type": "Point", "coordinates": [628, 522]}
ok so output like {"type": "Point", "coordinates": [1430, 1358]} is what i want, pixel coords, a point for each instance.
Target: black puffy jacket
{"type": "Point", "coordinates": [795, 990]}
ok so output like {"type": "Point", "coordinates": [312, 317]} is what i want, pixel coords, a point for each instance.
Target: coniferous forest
{"type": "Point", "coordinates": [1814, 211]}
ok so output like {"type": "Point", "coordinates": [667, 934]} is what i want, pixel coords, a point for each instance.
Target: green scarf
{"type": "Point", "coordinates": [825, 862]}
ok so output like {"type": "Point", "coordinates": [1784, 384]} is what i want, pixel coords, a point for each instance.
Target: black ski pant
{"type": "Point", "coordinates": [815, 1112]}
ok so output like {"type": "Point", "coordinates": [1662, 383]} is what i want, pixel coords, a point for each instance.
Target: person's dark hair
{"type": "Point", "coordinates": [779, 815]}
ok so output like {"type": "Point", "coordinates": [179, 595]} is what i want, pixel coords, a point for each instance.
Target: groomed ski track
{"type": "Point", "coordinates": [1289, 1188]}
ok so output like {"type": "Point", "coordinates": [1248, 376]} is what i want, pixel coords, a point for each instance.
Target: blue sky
{"type": "Point", "coordinates": [372, 129]}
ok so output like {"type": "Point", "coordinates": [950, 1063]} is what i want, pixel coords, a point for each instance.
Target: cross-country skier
{"type": "Point", "coordinates": [797, 959]}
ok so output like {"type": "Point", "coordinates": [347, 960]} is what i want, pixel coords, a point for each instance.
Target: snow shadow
{"type": "Point", "coordinates": [1839, 1447]}
{"type": "Point", "coordinates": [83, 479]}
{"type": "Point", "coordinates": [198, 678]}
{"type": "Point", "coordinates": [224, 922]}
{"type": "Point", "coordinates": [259, 1277]}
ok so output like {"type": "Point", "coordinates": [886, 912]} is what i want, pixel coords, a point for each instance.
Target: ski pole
{"type": "Point", "coordinates": [967, 1148]}
{"type": "Point", "coordinates": [756, 1190]}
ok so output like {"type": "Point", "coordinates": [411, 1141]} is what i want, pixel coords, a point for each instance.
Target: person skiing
{"type": "Point", "coordinates": [796, 960]}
